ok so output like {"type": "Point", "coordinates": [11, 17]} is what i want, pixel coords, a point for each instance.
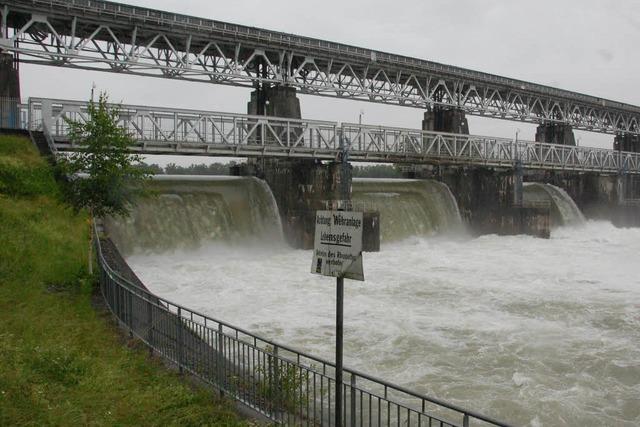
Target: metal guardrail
{"type": "Point", "coordinates": [180, 131]}
{"type": "Point", "coordinates": [288, 386]}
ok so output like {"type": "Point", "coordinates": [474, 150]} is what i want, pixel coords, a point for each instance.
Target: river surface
{"type": "Point", "coordinates": [532, 331]}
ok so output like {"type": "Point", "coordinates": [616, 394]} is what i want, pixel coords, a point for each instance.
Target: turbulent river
{"type": "Point", "coordinates": [532, 331]}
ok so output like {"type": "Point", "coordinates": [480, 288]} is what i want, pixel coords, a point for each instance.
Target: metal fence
{"type": "Point", "coordinates": [288, 386]}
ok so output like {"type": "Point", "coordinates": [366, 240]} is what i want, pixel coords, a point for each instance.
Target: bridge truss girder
{"type": "Point", "coordinates": [124, 39]}
{"type": "Point", "coordinates": [193, 132]}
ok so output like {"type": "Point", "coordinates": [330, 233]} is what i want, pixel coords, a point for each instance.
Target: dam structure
{"type": "Point", "coordinates": [442, 316]}
{"type": "Point", "coordinates": [301, 161]}
{"type": "Point", "coordinates": [485, 174]}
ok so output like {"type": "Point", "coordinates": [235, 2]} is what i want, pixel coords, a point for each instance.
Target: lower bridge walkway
{"type": "Point", "coordinates": [194, 132]}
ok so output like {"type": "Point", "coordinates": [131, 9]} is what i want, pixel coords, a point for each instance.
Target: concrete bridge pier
{"type": "Point", "coordinates": [627, 142]}
{"type": "Point", "coordinates": [445, 119]}
{"type": "Point", "coordinates": [555, 133]}
{"type": "Point", "coordinates": [300, 186]}
{"type": "Point", "coordinates": [490, 199]}
{"type": "Point", "coordinates": [612, 197]}
{"type": "Point", "coordinates": [275, 101]}
{"type": "Point", "coordinates": [9, 92]}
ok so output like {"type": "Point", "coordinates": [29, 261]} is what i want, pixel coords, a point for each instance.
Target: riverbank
{"type": "Point", "coordinates": [62, 361]}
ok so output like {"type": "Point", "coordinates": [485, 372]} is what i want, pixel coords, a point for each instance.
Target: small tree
{"type": "Point", "coordinates": [113, 176]}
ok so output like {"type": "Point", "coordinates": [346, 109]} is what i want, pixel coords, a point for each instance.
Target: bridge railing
{"type": "Point", "coordinates": [164, 129]}
{"type": "Point", "coordinates": [168, 130]}
{"type": "Point", "coordinates": [288, 386]}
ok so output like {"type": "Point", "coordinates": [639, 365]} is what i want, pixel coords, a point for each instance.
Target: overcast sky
{"type": "Point", "coordinates": [588, 46]}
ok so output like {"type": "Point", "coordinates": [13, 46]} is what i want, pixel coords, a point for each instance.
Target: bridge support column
{"type": "Point", "coordinates": [610, 197]}
{"type": "Point", "coordinates": [555, 133]}
{"type": "Point", "coordinates": [627, 142]}
{"type": "Point", "coordinates": [300, 187]}
{"type": "Point", "coordinates": [440, 119]}
{"type": "Point", "coordinates": [9, 92]}
{"type": "Point", "coordinates": [487, 199]}
{"type": "Point", "coordinates": [518, 184]}
{"type": "Point", "coordinates": [275, 101]}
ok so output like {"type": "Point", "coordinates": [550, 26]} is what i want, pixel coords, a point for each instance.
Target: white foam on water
{"type": "Point", "coordinates": [533, 331]}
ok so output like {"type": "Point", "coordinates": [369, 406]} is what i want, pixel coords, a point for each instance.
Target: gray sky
{"type": "Point", "coordinates": [588, 46]}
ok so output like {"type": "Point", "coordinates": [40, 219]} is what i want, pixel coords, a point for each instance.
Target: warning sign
{"type": "Point", "coordinates": [338, 244]}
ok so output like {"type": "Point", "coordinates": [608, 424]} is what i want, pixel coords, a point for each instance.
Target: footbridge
{"type": "Point", "coordinates": [107, 36]}
{"type": "Point", "coordinates": [193, 132]}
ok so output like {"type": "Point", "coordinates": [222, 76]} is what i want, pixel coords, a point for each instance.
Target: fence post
{"type": "Point", "coordinates": [180, 344]}
{"type": "Point", "coordinates": [220, 359]}
{"type": "Point", "coordinates": [150, 327]}
{"type": "Point", "coordinates": [465, 420]}
{"type": "Point", "coordinates": [353, 400]}
{"type": "Point", "coordinates": [130, 304]}
{"type": "Point", "coordinates": [277, 393]}
{"type": "Point", "coordinates": [47, 116]}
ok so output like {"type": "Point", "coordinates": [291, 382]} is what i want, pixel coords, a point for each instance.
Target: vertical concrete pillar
{"type": "Point", "coordinates": [275, 101]}
{"type": "Point", "coordinates": [518, 184]}
{"type": "Point", "coordinates": [555, 133]}
{"type": "Point", "coordinates": [301, 187]}
{"type": "Point", "coordinates": [451, 120]}
{"type": "Point", "coordinates": [620, 187]}
{"type": "Point", "coordinates": [627, 142]}
{"type": "Point", "coordinates": [9, 92]}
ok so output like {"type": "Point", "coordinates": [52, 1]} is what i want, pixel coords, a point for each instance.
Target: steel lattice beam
{"type": "Point", "coordinates": [194, 132]}
{"type": "Point", "coordinates": [99, 35]}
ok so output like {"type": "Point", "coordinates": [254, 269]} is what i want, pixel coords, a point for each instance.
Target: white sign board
{"type": "Point", "coordinates": [337, 248]}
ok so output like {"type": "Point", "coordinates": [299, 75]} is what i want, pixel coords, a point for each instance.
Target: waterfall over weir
{"type": "Point", "coordinates": [186, 211]}
{"type": "Point", "coordinates": [564, 210]}
{"type": "Point", "coordinates": [408, 207]}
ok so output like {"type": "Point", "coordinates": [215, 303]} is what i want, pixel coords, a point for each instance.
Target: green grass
{"type": "Point", "coordinates": [62, 362]}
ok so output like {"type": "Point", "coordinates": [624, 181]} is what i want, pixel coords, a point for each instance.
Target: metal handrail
{"type": "Point", "coordinates": [139, 302]}
{"type": "Point", "coordinates": [163, 130]}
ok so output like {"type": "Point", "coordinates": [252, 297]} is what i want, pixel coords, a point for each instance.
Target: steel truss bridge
{"type": "Point", "coordinates": [100, 35]}
{"type": "Point", "coordinates": [193, 132]}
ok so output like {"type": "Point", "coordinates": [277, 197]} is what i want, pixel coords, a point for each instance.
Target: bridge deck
{"type": "Point", "coordinates": [101, 35]}
{"type": "Point", "coordinates": [195, 132]}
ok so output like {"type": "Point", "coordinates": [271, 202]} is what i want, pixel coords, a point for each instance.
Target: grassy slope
{"type": "Point", "coordinates": [61, 362]}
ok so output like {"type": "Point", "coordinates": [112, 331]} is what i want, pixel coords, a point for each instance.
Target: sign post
{"type": "Point", "coordinates": [338, 253]}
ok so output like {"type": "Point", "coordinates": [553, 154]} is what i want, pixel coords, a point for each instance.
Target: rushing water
{"type": "Point", "coordinates": [562, 207]}
{"type": "Point", "coordinates": [408, 207]}
{"type": "Point", "coordinates": [186, 211]}
{"type": "Point", "coordinates": [533, 331]}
